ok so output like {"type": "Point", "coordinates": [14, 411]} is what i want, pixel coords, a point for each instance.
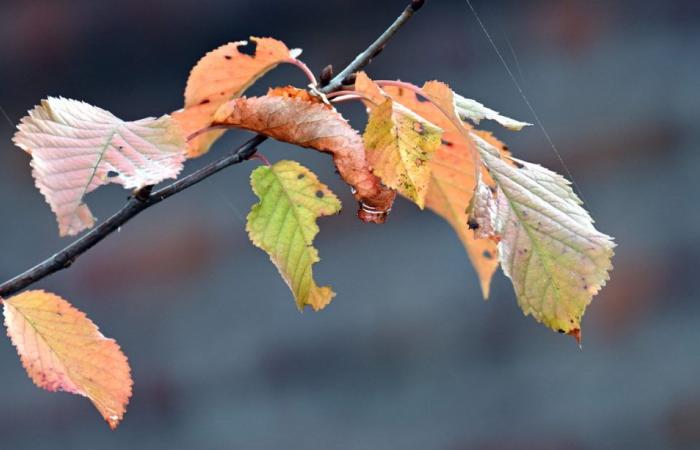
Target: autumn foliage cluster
{"type": "Point", "coordinates": [419, 142]}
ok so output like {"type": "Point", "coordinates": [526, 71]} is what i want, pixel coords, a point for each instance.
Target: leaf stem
{"type": "Point", "coordinates": [304, 68]}
{"type": "Point", "coordinates": [201, 131]}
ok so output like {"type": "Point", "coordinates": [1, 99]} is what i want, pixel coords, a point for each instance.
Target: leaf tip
{"type": "Point", "coordinates": [576, 334]}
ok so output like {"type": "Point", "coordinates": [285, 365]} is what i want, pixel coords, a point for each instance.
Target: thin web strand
{"type": "Point", "coordinates": [525, 99]}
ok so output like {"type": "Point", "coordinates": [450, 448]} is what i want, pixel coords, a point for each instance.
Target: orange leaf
{"type": "Point", "coordinates": [62, 350]}
{"type": "Point", "coordinates": [453, 182]}
{"type": "Point", "coordinates": [223, 74]}
{"type": "Point", "coordinates": [288, 116]}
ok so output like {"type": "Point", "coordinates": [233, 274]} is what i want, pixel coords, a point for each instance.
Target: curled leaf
{"type": "Point", "coordinates": [223, 74]}
{"type": "Point", "coordinates": [399, 142]}
{"type": "Point", "coordinates": [549, 248]}
{"type": "Point", "coordinates": [481, 211]}
{"type": "Point", "coordinates": [76, 148]}
{"type": "Point", "coordinates": [283, 224]}
{"type": "Point", "coordinates": [62, 350]}
{"type": "Point", "coordinates": [289, 115]}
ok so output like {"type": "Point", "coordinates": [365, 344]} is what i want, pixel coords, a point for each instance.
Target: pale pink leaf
{"type": "Point", "coordinates": [77, 147]}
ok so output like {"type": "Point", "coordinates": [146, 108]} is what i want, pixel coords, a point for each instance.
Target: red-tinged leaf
{"type": "Point", "coordinates": [291, 115]}
{"type": "Point", "coordinates": [62, 350]}
{"type": "Point", "coordinates": [223, 74]}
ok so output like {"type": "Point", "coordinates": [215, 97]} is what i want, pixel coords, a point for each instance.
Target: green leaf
{"type": "Point", "coordinates": [548, 246]}
{"type": "Point", "coordinates": [283, 224]}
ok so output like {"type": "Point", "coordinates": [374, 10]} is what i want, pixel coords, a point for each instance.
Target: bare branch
{"type": "Point", "coordinates": [373, 50]}
{"type": "Point", "coordinates": [143, 198]}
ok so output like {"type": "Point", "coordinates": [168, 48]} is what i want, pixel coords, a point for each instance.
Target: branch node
{"type": "Point", "coordinates": [142, 194]}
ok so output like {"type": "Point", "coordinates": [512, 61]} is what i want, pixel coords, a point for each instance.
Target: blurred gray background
{"type": "Point", "coordinates": [407, 356]}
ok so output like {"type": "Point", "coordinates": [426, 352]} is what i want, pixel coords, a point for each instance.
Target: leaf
{"type": "Point", "coordinates": [283, 224]}
{"type": "Point", "coordinates": [77, 147]}
{"type": "Point", "coordinates": [549, 248]}
{"type": "Point", "coordinates": [62, 350]}
{"type": "Point", "coordinates": [223, 74]}
{"type": "Point", "coordinates": [469, 109]}
{"type": "Point", "coordinates": [399, 143]}
{"type": "Point", "coordinates": [291, 115]}
{"type": "Point", "coordinates": [452, 183]}
{"type": "Point", "coordinates": [458, 108]}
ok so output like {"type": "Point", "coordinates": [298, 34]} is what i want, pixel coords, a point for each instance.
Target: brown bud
{"type": "Point", "coordinates": [417, 4]}
{"type": "Point", "coordinates": [350, 79]}
{"type": "Point", "coordinates": [326, 75]}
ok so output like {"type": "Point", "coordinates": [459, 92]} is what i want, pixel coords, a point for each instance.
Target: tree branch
{"type": "Point", "coordinates": [143, 198]}
{"type": "Point", "coordinates": [374, 49]}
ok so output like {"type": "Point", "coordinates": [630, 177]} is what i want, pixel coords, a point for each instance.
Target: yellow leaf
{"type": "Point", "coordinates": [62, 350]}
{"type": "Point", "coordinates": [399, 142]}
{"type": "Point", "coordinates": [223, 74]}
{"type": "Point", "coordinates": [283, 224]}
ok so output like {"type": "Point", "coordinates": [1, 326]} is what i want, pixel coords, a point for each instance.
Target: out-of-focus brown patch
{"type": "Point", "coordinates": [153, 257]}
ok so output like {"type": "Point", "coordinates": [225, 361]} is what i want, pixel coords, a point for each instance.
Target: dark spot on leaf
{"type": "Point", "coordinates": [419, 128]}
{"type": "Point", "coordinates": [300, 176]}
{"type": "Point", "coordinates": [228, 56]}
{"type": "Point", "coordinates": [319, 194]}
{"type": "Point", "coordinates": [112, 174]}
{"type": "Point", "coordinates": [205, 101]}
{"type": "Point", "coordinates": [447, 143]}
{"type": "Point", "coordinates": [472, 224]}
{"type": "Point", "coordinates": [487, 254]}
{"type": "Point", "coordinates": [561, 331]}
{"type": "Point", "coordinates": [517, 164]}
{"type": "Point", "coordinates": [248, 49]}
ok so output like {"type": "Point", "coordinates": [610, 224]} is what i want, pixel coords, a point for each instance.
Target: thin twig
{"type": "Point", "coordinates": [373, 50]}
{"type": "Point", "coordinates": [143, 198]}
